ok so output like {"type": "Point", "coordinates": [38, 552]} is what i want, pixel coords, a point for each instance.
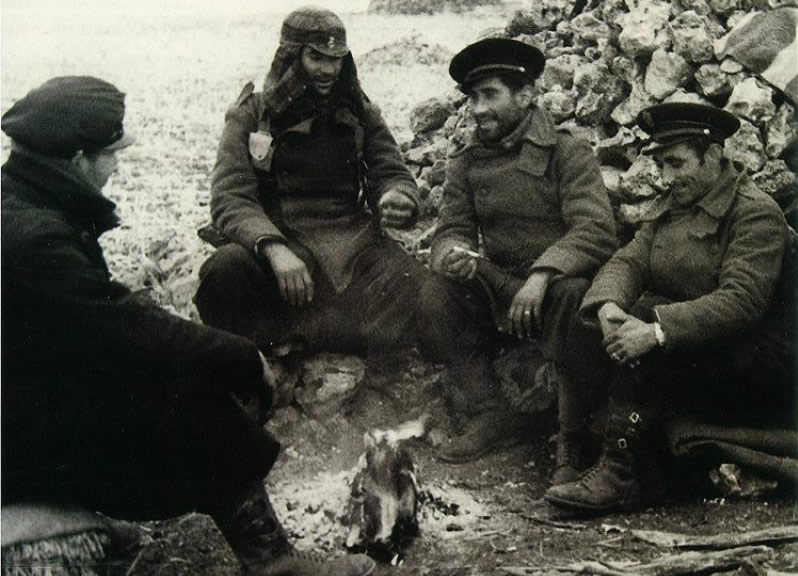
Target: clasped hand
{"type": "Point", "coordinates": [396, 210]}
{"type": "Point", "coordinates": [293, 276]}
{"type": "Point", "coordinates": [626, 337]}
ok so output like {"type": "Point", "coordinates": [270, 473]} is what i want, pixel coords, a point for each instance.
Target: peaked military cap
{"type": "Point", "coordinates": [320, 29]}
{"type": "Point", "coordinates": [493, 56]}
{"type": "Point", "coordinates": [67, 114]}
{"type": "Point", "coordinates": [677, 122]}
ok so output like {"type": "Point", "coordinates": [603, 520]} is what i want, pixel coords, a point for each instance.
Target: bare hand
{"type": "Point", "coordinates": [526, 310]}
{"type": "Point", "coordinates": [293, 276]}
{"type": "Point", "coordinates": [459, 265]}
{"type": "Point", "coordinates": [611, 317]}
{"type": "Point", "coordinates": [396, 210]}
{"type": "Point", "coordinates": [630, 341]}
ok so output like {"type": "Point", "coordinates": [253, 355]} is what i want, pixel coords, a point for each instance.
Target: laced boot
{"type": "Point", "coordinates": [485, 432]}
{"type": "Point", "coordinates": [612, 483]}
{"type": "Point", "coordinates": [572, 457]}
{"type": "Point", "coordinates": [262, 548]}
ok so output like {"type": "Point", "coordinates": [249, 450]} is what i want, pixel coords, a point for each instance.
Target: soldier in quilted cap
{"type": "Point", "coordinates": [306, 178]}
{"type": "Point", "coordinates": [696, 314]}
{"type": "Point", "coordinates": [532, 197]}
{"type": "Point", "coordinates": [110, 402]}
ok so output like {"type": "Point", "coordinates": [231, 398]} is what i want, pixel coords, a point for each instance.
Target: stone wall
{"type": "Point", "coordinates": [606, 61]}
{"type": "Point", "coordinates": [426, 6]}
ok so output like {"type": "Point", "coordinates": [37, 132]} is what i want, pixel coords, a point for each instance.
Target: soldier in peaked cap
{"type": "Point", "coordinates": [109, 402]}
{"type": "Point", "coordinates": [306, 266]}
{"type": "Point", "coordinates": [533, 197]}
{"type": "Point", "coordinates": [697, 313]}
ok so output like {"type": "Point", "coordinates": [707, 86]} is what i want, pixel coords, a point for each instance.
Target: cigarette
{"type": "Point", "coordinates": [467, 251]}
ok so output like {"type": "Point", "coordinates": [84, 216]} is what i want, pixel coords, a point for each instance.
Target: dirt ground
{"type": "Point", "coordinates": [475, 519]}
{"type": "Point", "coordinates": [181, 70]}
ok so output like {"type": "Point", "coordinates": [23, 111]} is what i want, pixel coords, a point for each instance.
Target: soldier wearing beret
{"type": "Point", "coordinates": [697, 313]}
{"type": "Point", "coordinates": [108, 401]}
{"type": "Point", "coordinates": [533, 198]}
{"type": "Point", "coordinates": [299, 165]}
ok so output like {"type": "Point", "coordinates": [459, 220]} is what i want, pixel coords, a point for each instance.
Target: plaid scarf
{"type": "Point", "coordinates": [286, 81]}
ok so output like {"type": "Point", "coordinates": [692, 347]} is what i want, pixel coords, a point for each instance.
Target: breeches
{"type": "Point", "coordinates": [375, 312]}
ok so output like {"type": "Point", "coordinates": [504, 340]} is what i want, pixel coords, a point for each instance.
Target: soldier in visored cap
{"type": "Point", "coordinates": [532, 196]}
{"type": "Point", "coordinates": [697, 313]}
{"type": "Point", "coordinates": [108, 401]}
{"type": "Point", "coordinates": [307, 265]}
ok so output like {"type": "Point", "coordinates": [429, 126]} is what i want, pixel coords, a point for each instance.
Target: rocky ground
{"type": "Point", "coordinates": [182, 69]}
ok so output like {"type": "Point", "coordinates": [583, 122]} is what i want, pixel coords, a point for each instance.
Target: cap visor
{"type": "Point", "coordinates": [126, 140]}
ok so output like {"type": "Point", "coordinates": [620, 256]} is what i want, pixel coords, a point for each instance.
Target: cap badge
{"type": "Point", "coordinates": [331, 42]}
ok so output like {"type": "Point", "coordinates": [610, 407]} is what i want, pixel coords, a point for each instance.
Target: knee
{"type": "Point", "coordinates": [226, 262]}
{"type": "Point", "coordinates": [434, 298]}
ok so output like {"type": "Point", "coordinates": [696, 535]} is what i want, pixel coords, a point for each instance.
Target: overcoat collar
{"type": "Point", "coordinates": [62, 188]}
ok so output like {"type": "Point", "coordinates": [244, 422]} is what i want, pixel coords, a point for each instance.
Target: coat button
{"type": "Point", "coordinates": [85, 237]}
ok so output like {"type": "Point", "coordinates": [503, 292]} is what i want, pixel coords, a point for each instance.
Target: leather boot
{"type": "Point", "coordinates": [485, 432]}
{"type": "Point", "coordinates": [572, 458]}
{"type": "Point", "coordinates": [612, 483]}
{"type": "Point", "coordinates": [261, 545]}
{"type": "Point", "coordinates": [574, 442]}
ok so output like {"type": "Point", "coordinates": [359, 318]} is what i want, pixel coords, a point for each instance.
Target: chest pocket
{"type": "Point", "coordinates": [534, 161]}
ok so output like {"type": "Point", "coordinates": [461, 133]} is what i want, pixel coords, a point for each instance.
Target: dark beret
{"type": "Point", "coordinates": [68, 114]}
{"type": "Point", "coordinates": [493, 56]}
{"type": "Point", "coordinates": [318, 28]}
{"type": "Point", "coordinates": [677, 122]}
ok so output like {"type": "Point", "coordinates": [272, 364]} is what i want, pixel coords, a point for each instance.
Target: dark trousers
{"type": "Point", "coordinates": [741, 381]}
{"type": "Point", "coordinates": [373, 315]}
{"type": "Point", "coordinates": [457, 328]}
{"type": "Point", "coordinates": [111, 448]}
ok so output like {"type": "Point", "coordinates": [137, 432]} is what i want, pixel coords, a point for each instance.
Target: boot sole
{"type": "Point", "coordinates": [623, 506]}
{"type": "Point", "coordinates": [503, 445]}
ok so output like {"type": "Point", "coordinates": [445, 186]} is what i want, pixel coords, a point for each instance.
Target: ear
{"type": "Point", "coordinates": [713, 154]}
{"type": "Point", "coordinates": [525, 95]}
{"type": "Point", "coordinates": [80, 162]}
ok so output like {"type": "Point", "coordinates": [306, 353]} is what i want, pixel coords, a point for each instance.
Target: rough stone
{"type": "Point", "coordinates": [713, 82]}
{"type": "Point", "coordinates": [627, 69]}
{"type": "Point", "coordinates": [561, 104]}
{"type": "Point", "coordinates": [692, 38]}
{"type": "Point", "coordinates": [641, 181]}
{"type": "Point", "coordinates": [328, 382]}
{"type": "Point", "coordinates": [435, 201]}
{"type": "Point", "coordinates": [778, 180]}
{"type": "Point", "coordinates": [523, 383]}
{"type": "Point", "coordinates": [542, 15]}
{"type": "Point", "coordinates": [644, 29]}
{"type": "Point", "coordinates": [427, 155]}
{"type": "Point", "coordinates": [753, 101]}
{"type": "Point", "coordinates": [588, 27]}
{"type": "Point", "coordinates": [599, 91]}
{"type": "Point", "coordinates": [620, 150]}
{"type": "Point", "coordinates": [612, 181]}
{"type": "Point", "coordinates": [697, 6]}
{"type": "Point", "coordinates": [746, 147]}
{"type": "Point", "coordinates": [425, 6]}
{"type": "Point", "coordinates": [430, 115]}
{"type": "Point", "coordinates": [682, 95]}
{"type": "Point", "coordinates": [723, 7]}
{"type": "Point", "coordinates": [626, 112]}
{"type": "Point", "coordinates": [781, 131]}
{"type": "Point", "coordinates": [731, 66]}
{"type": "Point", "coordinates": [590, 134]}
{"type": "Point", "coordinates": [666, 72]}
{"type": "Point", "coordinates": [632, 215]}
{"type": "Point", "coordinates": [559, 71]}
